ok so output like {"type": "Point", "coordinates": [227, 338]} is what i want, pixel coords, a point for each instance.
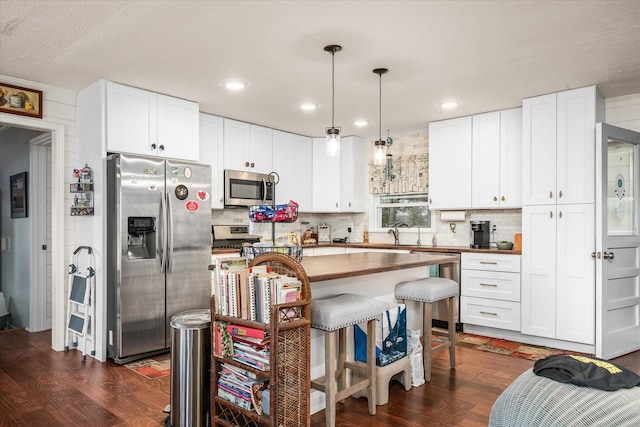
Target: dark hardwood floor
{"type": "Point", "coordinates": [41, 387]}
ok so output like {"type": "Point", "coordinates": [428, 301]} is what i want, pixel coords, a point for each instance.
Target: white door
{"type": "Point", "coordinates": [617, 241]}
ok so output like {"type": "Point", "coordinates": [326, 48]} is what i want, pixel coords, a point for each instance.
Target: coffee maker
{"type": "Point", "coordinates": [480, 231]}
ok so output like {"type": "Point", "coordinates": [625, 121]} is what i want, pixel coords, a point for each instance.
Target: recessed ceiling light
{"type": "Point", "coordinates": [361, 123]}
{"type": "Point", "coordinates": [234, 84]}
{"type": "Point", "coordinates": [308, 106]}
{"type": "Point", "coordinates": [449, 104]}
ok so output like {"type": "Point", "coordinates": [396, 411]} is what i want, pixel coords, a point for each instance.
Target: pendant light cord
{"type": "Point", "coordinates": [380, 111]}
{"type": "Point", "coordinates": [333, 88]}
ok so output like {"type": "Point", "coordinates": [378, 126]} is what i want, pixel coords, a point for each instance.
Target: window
{"type": "Point", "coordinates": [410, 209]}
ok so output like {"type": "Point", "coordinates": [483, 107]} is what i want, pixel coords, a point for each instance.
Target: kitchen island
{"type": "Point", "coordinates": [374, 274]}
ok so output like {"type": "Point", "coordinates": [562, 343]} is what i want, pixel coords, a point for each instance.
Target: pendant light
{"type": "Point", "coordinates": [380, 150]}
{"type": "Point", "coordinates": [333, 133]}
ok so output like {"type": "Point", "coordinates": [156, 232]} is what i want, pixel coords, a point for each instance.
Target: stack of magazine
{"type": "Point", "coordinates": [250, 346]}
{"type": "Point", "coordinates": [242, 388]}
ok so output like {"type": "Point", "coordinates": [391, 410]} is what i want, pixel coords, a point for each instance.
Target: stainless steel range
{"type": "Point", "coordinates": [232, 236]}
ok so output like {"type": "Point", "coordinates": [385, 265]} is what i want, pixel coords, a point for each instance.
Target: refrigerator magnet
{"type": "Point", "coordinates": [203, 195]}
{"type": "Point", "coordinates": [181, 192]}
{"type": "Point", "coordinates": [192, 206]}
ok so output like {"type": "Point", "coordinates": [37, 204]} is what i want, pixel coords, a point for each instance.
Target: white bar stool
{"type": "Point", "coordinates": [427, 291]}
{"type": "Point", "coordinates": [334, 315]}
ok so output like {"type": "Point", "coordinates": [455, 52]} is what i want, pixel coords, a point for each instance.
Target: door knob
{"type": "Point", "coordinates": [607, 255]}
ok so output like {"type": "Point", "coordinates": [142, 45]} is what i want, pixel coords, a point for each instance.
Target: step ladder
{"type": "Point", "coordinates": [81, 308]}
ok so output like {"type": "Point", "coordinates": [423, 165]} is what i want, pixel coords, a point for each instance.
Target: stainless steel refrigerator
{"type": "Point", "coordinates": [158, 250]}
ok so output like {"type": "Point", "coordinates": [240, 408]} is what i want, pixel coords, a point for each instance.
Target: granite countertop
{"type": "Point", "coordinates": [429, 248]}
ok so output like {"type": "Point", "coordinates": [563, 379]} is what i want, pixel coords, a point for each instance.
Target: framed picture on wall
{"type": "Point", "coordinates": [19, 195]}
{"type": "Point", "coordinates": [20, 100]}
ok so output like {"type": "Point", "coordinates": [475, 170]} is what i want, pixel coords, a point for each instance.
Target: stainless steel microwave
{"type": "Point", "coordinates": [247, 188]}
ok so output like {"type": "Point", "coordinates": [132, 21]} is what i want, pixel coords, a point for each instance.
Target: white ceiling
{"type": "Point", "coordinates": [486, 54]}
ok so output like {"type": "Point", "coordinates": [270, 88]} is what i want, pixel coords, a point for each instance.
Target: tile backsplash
{"type": "Point", "coordinates": [508, 222]}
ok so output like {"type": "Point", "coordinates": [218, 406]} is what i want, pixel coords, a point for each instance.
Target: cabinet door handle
{"type": "Point", "coordinates": [246, 164]}
{"type": "Point", "coordinates": [493, 285]}
{"type": "Point", "coordinates": [560, 214]}
{"type": "Point", "coordinates": [489, 262]}
{"type": "Point", "coordinates": [253, 165]}
{"type": "Point", "coordinates": [154, 146]}
{"type": "Point", "coordinates": [596, 255]}
{"type": "Point", "coordinates": [503, 198]}
{"type": "Point", "coordinates": [551, 194]}
{"type": "Point", "coordinates": [560, 194]}
{"type": "Point", "coordinates": [495, 199]}
{"type": "Point", "coordinates": [550, 214]}
{"type": "Point", "coordinates": [336, 204]}
{"type": "Point", "coordinates": [607, 255]}
{"type": "Point", "coordinates": [488, 313]}
{"type": "Point", "coordinates": [161, 147]}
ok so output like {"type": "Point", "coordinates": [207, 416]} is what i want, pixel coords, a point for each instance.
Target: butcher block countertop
{"type": "Point", "coordinates": [330, 267]}
{"type": "Point", "coordinates": [441, 249]}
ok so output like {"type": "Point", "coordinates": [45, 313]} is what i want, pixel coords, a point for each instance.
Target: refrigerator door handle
{"type": "Point", "coordinates": [163, 235]}
{"type": "Point", "coordinates": [169, 233]}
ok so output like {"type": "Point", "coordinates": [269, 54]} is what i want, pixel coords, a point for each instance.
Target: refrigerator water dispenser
{"type": "Point", "coordinates": [141, 237]}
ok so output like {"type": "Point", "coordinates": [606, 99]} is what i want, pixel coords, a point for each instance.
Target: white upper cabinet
{"type": "Point", "coordinates": [485, 166]}
{"type": "Point", "coordinates": [211, 153]}
{"type": "Point", "coordinates": [293, 162]}
{"type": "Point", "coordinates": [352, 175]}
{"type": "Point", "coordinates": [559, 146]}
{"type": "Point", "coordinates": [247, 147]}
{"type": "Point", "coordinates": [450, 163]}
{"type": "Point", "coordinates": [147, 123]}
{"type": "Point", "coordinates": [339, 183]}
{"type": "Point", "coordinates": [326, 178]}
{"type": "Point", "coordinates": [496, 180]}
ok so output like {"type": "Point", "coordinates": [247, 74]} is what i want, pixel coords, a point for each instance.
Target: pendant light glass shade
{"type": "Point", "coordinates": [380, 152]}
{"type": "Point", "coordinates": [333, 133]}
{"type": "Point", "coordinates": [333, 142]}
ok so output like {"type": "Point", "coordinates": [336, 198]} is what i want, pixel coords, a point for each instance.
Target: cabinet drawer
{"type": "Point", "coordinates": [491, 284]}
{"type": "Point", "coordinates": [490, 262]}
{"type": "Point", "coordinates": [490, 312]}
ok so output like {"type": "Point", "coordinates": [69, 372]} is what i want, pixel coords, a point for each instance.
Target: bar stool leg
{"type": "Point", "coordinates": [427, 317]}
{"type": "Point", "coordinates": [330, 377]}
{"type": "Point", "coordinates": [371, 366]}
{"type": "Point", "coordinates": [342, 358]}
{"type": "Point", "coordinates": [452, 333]}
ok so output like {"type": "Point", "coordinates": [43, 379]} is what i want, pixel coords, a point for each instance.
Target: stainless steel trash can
{"type": "Point", "coordinates": [190, 366]}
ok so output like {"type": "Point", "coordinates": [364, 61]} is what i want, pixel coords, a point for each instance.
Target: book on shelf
{"type": "Point", "coordinates": [223, 345]}
{"type": "Point", "coordinates": [236, 400]}
{"type": "Point", "coordinates": [246, 331]}
{"type": "Point", "coordinates": [239, 373]}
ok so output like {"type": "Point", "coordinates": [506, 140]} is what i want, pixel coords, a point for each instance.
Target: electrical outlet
{"type": "Point", "coordinates": [350, 227]}
{"type": "Point", "coordinates": [494, 228]}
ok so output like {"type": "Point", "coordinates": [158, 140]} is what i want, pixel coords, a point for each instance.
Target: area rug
{"type": "Point", "coordinates": [152, 368]}
{"type": "Point", "coordinates": [509, 348]}
{"type": "Point", "coordinates": [504, 347]}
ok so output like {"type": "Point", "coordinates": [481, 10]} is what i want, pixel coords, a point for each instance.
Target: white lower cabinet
{"type": "Point", "coordinates": [558, 272]}
{"type": "Point", "coordinates": [490, 290]}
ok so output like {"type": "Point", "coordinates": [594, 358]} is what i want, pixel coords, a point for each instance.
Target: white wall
{"type": "Point", "coordinates": [624, 111]}
{"type": "Point", "coordinates": [59, 117]}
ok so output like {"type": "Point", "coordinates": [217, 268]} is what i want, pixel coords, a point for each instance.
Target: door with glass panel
{"type": "Point", "coordinates": [617, 241]}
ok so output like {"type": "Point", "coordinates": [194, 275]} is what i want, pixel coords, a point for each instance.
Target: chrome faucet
{"type": "Point", "coordinates": [396, 232]}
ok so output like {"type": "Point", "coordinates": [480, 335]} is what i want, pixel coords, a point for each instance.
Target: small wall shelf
{"type": "Point", "coordinates": [83, 192]}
